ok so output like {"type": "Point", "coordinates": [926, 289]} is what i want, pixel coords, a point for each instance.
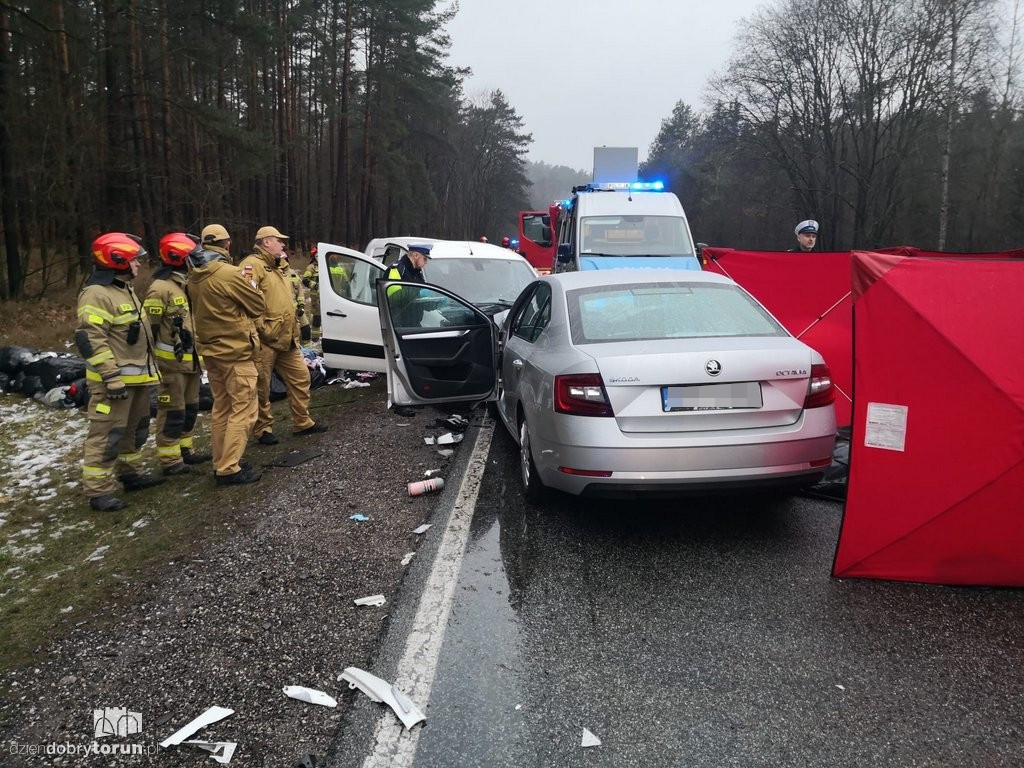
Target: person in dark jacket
{"type": "Point", "coordinates": [806, 236]}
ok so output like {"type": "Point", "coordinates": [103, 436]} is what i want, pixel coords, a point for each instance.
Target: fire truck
{"type": "Point", "coordinates": [537, 237]}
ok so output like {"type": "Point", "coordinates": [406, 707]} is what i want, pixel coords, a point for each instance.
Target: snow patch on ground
{"type": "Point", "coordinates": [42, 448]}
{"type": "Point", "coordinates": [98, 554]}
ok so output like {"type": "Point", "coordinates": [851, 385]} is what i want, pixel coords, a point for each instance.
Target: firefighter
{"type": "Point", "coordinates": [225, 304]}
{"type": "Point", "coordinates": [299, 296]}
{"type": "Point", "coordinates": [121, 370]}
{"type": "Point", "coordinates": [177, 400]}
{"type": "Point", "coordinates": [279, 336]}
{"type": "Point", "coordinates": [311, 282]}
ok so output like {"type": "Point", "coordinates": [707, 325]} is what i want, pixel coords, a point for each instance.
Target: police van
{"type": "Point", "coordinates": [624, 224]}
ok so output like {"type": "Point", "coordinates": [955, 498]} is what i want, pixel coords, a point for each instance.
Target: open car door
{"type": "Point", "coordinates": [439, 348]}
{"type": "Point", "coordinates": [349, 323]}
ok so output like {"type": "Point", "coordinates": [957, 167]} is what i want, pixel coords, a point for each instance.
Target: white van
{"type": "Point", "coordinates": [487, 275]}
{"type": "Point", "coordinates": [637, 224]}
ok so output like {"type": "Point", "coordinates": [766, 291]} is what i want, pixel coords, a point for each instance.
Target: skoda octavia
{"type": "Point", "coordinates": [626, 381]}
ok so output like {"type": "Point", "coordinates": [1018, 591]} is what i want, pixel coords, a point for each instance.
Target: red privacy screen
{"type": "Point", "coordinates": [936, 489]}
{"type": "Point", "coordinates": [809, 293]}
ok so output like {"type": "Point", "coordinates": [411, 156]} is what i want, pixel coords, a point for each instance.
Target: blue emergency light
{"type": "Point", "coordinates": [648, 186]}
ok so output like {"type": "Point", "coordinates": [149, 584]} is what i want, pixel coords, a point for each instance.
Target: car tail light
{"type": "Point", "coordinates": [820, 391]}
{"type": "Point", "coordinates": [581, 395]}
{"type": "Point", "coordinates": [586, 472]}
{"type": "Point", "coordinates": [822, 462]}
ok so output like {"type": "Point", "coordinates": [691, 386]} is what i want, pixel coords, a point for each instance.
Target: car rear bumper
{"type": "Point", "coordinates": [793, 456]}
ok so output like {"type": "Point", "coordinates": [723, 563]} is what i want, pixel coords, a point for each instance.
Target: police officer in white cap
{"type": "Point", "coordinates": [806, 236]}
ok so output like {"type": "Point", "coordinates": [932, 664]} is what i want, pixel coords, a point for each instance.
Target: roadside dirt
{"type": "Point", "coordinates": [266, 604]}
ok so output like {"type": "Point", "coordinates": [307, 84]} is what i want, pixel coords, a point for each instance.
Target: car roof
{"type": "Point", "coordinates": [466, 249]}
{"type": "Point", "coordinates": [611, 277]}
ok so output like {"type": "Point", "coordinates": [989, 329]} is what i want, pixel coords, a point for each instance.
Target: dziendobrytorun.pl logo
{"type": "Point", "coordinates": [107, 723]}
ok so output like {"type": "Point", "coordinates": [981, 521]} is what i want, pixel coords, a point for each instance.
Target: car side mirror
{"type": "Point", "coordinates": [700, 252]}
{"type": "Point", "coordinates": [564, 253]}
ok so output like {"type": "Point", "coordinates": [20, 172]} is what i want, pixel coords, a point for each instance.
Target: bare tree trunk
{"type": "Point", "coordinates": [15, 277]}
{"type": "Point", "coordinates": [951, 100]}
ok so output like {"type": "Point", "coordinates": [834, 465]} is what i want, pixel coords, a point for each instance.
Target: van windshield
{"type": "Point", "coordinates": [635, 236]}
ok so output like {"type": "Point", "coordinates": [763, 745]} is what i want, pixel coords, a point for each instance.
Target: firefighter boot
{"type": "Point", "coordinates": [137, 481]}
{"type": "Point", "coordinates": [190, 457]}
{"type": "Point", "coordinates": [106, 502]}
{"type": "Point", "coordinates": [181, 468]}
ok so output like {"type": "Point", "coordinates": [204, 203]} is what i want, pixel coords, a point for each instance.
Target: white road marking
{"type": "Point", "coordinates": [393, 746]}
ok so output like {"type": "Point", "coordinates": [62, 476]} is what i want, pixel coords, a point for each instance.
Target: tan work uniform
{"type": "Point", "coordinates": [177, 400]}
{"type": "Point", "coordinates": [225, 304]}
{"type": "Point", "coordinates": [116, 344]}
{"type": "Point", "coordinates": [311, 281]}
{"type": "Point", "coordinates": [299, 294]}
{"type": "Point", "coordinates": [279, 336]}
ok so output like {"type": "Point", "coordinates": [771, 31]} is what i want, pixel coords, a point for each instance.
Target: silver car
{"type": "Point", "coordinates": [624, 381]}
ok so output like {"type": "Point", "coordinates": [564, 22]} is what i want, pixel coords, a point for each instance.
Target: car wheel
{"type": "Point", "coordinates": [533, 488]}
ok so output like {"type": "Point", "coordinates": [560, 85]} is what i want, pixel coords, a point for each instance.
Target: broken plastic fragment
{"type": "Point", "coordinates": [384, 692]}
{"type": "Point", "coordinates": [212, 715]}
{"type": "Point", "coordinates": [431, 472]}
{"type": "Point", "coordinates": [408, 558]}
{"type": "Point", "coordinates": [221, 751]}
{"type": "Point", "coordinates": [590, 740]}
{"type": "Point", "coordinates": [309, 695]}
{"type": "Point", "coordinates": [449, 438]}
{"type": "Point", "coordinates": [422, 529]}
{"type": "Point", "coordinates": [359, 518]}
{"type": "Point", "coordinates": [371, 600]}
{"type": "Point", "coordinates": [446, 452]}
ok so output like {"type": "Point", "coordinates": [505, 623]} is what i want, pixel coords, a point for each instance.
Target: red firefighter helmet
{"type": "Point", "coordinates": [116, 250]}
{"type": "Point", "coordinates": [175, 249]}
{"type": "Point", "coordinates": [312, 251]}
{"type": "Point", "coordinates": [483, 238]}
{"type": "Point", "coordinates": [506, 241]}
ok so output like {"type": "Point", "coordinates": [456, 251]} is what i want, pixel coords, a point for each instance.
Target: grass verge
{"type": "Point", "coordinates": [62, 564]}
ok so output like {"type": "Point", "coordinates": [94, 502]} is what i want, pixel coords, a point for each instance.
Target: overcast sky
{"type": "Point", "coordinates": [586, 73]}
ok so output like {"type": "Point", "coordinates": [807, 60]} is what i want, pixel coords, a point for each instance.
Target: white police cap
{"type": "Point", "coordinates": [804, 227]}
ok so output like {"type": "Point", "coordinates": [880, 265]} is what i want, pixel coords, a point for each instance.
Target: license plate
{"type": "Point", "coordinates": [712, 397]}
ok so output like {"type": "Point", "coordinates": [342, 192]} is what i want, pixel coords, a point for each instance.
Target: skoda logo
{"type": "Point", "coordinates": [713, 367]}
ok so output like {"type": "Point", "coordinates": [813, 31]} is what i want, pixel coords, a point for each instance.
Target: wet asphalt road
{"type": "Point", "coordinates": [698, 633]}
{"type": "Point", "coordinates": [709, 633]}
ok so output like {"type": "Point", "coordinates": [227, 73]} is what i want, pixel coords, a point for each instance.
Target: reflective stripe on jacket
{"type": "Point", "coordinates": [165, 301]}
{"type": "Point", "coordinates": [107, 315]}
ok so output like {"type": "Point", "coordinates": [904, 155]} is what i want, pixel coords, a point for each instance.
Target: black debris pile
{"type": "Point", "coordinates": [56, 379]}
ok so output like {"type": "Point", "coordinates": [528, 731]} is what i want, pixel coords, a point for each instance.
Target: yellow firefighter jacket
{"type": "Point", "coordinates": [112, 335]}
{"type": "Point", "coordinates": [299, 295]}
{"type": "Point", "coordinates": [278, 326]}
{"type": "Point", "coordinates": [225, 304]}
{"type": "Point", "coordinates": [170, 317]}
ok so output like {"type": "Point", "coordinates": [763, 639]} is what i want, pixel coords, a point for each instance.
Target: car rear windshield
{"type": "Point", "coordinates": [481, 281]}
{"type": "Point", "coordinates": [650, 311]}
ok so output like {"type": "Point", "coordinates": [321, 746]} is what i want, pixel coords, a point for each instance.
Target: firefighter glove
{"type": "Point", "coordinates": [300, 311]}
{"type": "Point", "coordinates": [305, 282]}
{"type": "Point", "coordinates": [116, 390]}
{"type": "Point", "coordinates": [306, 333]}
{"type": "Point", "coordinates": [186, 338]}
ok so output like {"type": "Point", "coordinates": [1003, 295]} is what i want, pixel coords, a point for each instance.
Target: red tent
{"type": "Point", "coordinates": [809, 293]}
{"type": "Point", "coordinates": [936, 490]}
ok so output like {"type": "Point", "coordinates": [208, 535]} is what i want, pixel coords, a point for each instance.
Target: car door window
{"type": "Point", "coordinates": [535, 315]}
{"type": "Point", "coordinates": [352, 278]}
